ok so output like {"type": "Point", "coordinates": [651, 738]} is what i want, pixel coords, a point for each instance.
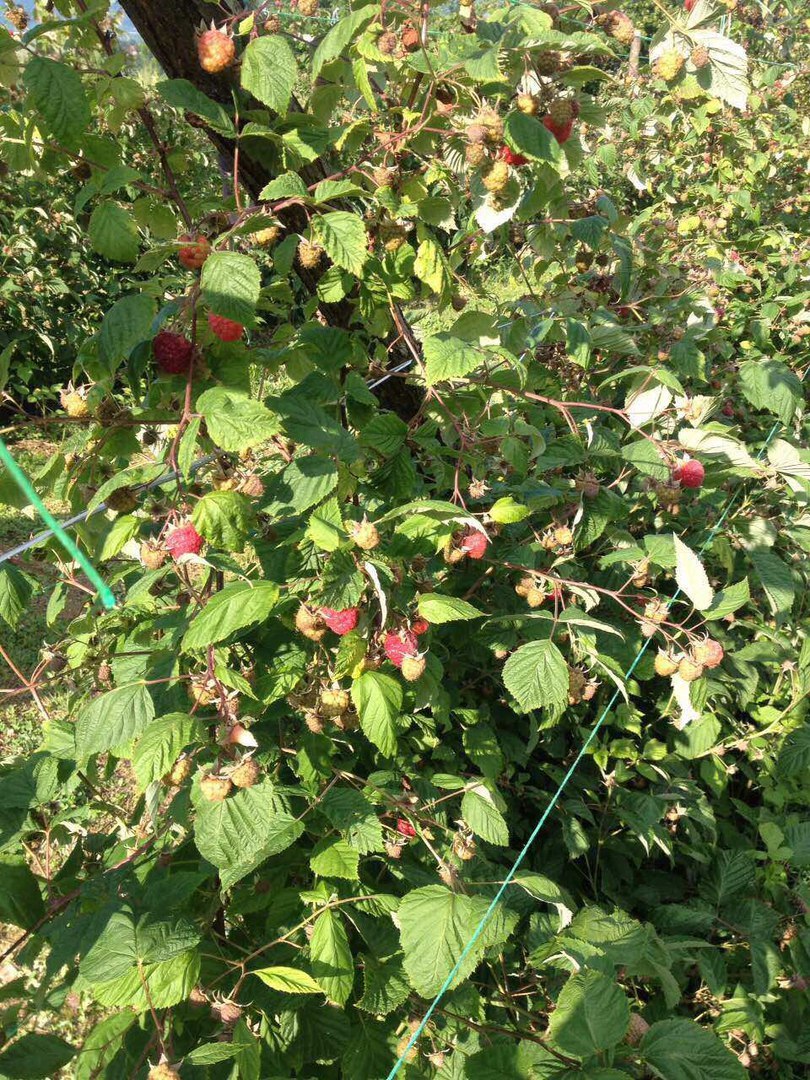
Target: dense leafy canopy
{"type": "Point", "coordinates": [509, 439]}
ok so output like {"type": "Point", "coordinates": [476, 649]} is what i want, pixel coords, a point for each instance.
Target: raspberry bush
{"type": "Point", "coordinates": [459, 407]}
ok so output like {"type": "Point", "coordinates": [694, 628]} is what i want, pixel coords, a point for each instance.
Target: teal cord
{"type": "Point", "coordinates": [105, 593]}
{"type": "Point", "coordinates": [555, 798]}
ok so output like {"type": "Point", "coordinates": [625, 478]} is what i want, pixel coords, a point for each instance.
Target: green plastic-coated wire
{"type": "Point", "coordinates": [105, 593]}
{"type": "Point", "coordinates": [555, 798]}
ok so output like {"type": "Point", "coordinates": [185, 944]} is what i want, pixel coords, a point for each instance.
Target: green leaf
{"type": "Point", "coordinates": [354, 815]}
{"type": "Point", "coordinates": [431, 266]}
{"type": "Point", "coordinates": [288, 185]}
{"type": "Point", "coordinates": [113, 719]}
{"type": "Point", "coordinates": [728, 600]}
{"type": "Point", "coordinates": [770, 384]}
{"type": "Point", "coordinates": [288, 980]}
{"type": "Point", "coordinates": [505, 1059]}
{"type": "Point", "coordinates": [184, 95]}
{"type": "Point", "coordinates": [309, 424]}
{"type": "Point", "coordinates": [528, 136]}
{"type": "Point", "coordinates": [57, 93]}
{"type": "Point", "coordinates": [158, 952]}
{"type": "Point", "coordinates": [32, 783]}
{"type": "Point", "coordinates": [238, 834]}
{"type": "Point", "coordinates": [10, 56]}
{"type": "Point", "coordinates": [124, 944]}
{"type": "Point", "coordinates": [646, 457]}
{"type": "Point", "coordinates": [384, 433]}
{"type": "Point", "coordinates": [34, 1056]}
{"type": "Point", "coordinates": [726, 75]}
{"type": "Point", "coordinates": [269, 72]}
{"type": "Point", "coordinates": [236, 608]}
{"type": "Point", "coordinates": [343, 236]}
{"type": "Point", "coordinates": [589, 230]}
{"type": "Point", "coordinates": [113, 232]}
{"type": "Point", "coordinates": [21, 901]}
{"type": "Point", "coordinates": [794, 755]}
{"type": "Point", "coordinates": [448, 357]}
{"type": "Point", "coordinates": [213, 1053]}
{"type": "Point", "coordinates": [797, 838]}
{"type": "Point", "coordinates": [384, 985]}
{"type": "Point", "coordinates": [592, 1014]}
{"type": "Point", "coordinates": [225, 519]}
{"type": "Point", "coordinates": [102, 1044]}
{"type": "Point", "coordinates": [682, 1050]}
{"type": "Point", "coordinates": [303, 483]}
{"type": "Point", "coordinates": [333, 857]}
{"type": "Point", "coordinates": [776, 579]}
{"type": "Point", "coordinates": [507, 511]}
{"type": "Point", "coordinates": [536, 675]}
{"type": "Point", "coordinates": [329, 190]}
{"type": "Point", "coordinates": [691, 575]}
{"type": "Point", "coordinates": [435, 926]}
{"type": "Point", "coordinates": [732, 872]}
{"type": "Point", "coordinates": [236, 422]}
{"type": "Point", "coordinates": [341, 34]}
{"type": "Point", "coordinates": [342, 584]}
{"type": "Point", "coordinates": [161, 744]}
{"type": "Point", "coordinates": [126, 324]}
{"type": "Point", "coordinates": [331, 957]}
{"type": "Point", "coordinates": [15, 592]}
{"type": "Point", "coordinates": [701, 443]}
{"type": "Point", "coordinates": [378, 700]}
{"type": "Point", "coordinates": [114, 537]}
{"type": "Point", "coordinates": [440, 609]}
{"type": "Point", "coordinates": [482, 815]}
{"type": "Point", "coordinates": [231, 284]}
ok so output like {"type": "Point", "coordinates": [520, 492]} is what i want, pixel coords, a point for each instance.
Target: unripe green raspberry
{"type": "Point", "coordinates": [309, 254]}
{"type": "Point", "coordinates": [668, 65]}
{"type": "Point", "coordinates": [561, 111]}
{"type": "Point", "coordinates": [475, 154]}
{"type": "Point", "coordinates": [496, 177]}
{"type": "Point", "coordinates": [364, 534]}
{"type": "Point", "coordinates": [528, 104]}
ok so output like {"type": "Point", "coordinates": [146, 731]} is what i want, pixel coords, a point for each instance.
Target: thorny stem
{"type": "Point", "coordinates": [148, 121]}
{"type": "Point", "coordinates": [155, 1018]}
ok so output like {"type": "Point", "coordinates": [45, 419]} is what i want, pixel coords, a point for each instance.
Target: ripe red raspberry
{"type": "Point", "coordinates": [690, 474]}
{"type": "Point", "coordinates": [183, 540]}
{"type": "Point", "coordinates": [419, 627]}
{"type": "Point", "coordinates": [215, 50]}
{"type": "Point", "coordinates": [398, 644]}
{"type": "Point", "coordinates": [689, 4]}
{"type": "Point", "coordinates": [404, 828]}
{"type": "Point", "coordinates": [474, 543]}
{"type": "Point", "coordinates": [173, 352]}
{"type": "Point", "coordinates": [225, 329]}
{"type": "Point", "coordinates": [561, 132]}
{"type": "Point", "coordinates": [340, 622]}
{"type": "Point", "coordinates": [195, 252]}
{"type": "Point", "coordinates": [511, 157]}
